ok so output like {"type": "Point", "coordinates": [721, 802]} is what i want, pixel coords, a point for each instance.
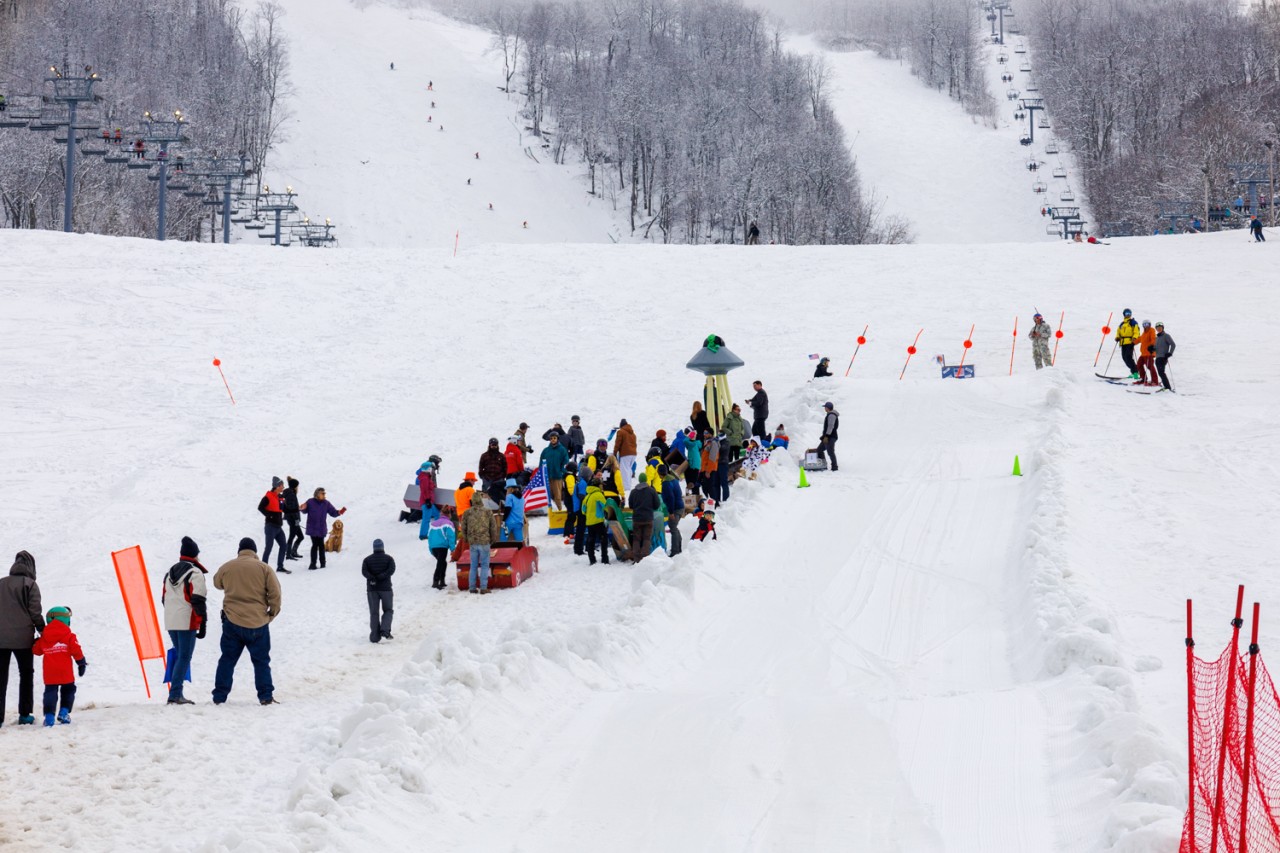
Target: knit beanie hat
{"type": "Point", "coordinates": [377, 544]}
{"type": "Point", "coordinates": [62, 614]}
{"type": "Point", "coordinates": [293, 484]}
{"type": "Point", "coordinates": [247, 544]}
{"type": "Point", "coordinates": [276, 482]}
{"type": "Point", "coordinates": [644, 477]}
{"type": "Point", "coordinates": [189, 548]}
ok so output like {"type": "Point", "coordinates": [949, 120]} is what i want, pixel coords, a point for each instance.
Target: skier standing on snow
{"type": "Point", "coordinates": [1039, 335]}
{"type": "Point", "coordinates": [1147, 355]}
{"type": "Point", "coordinates": [1165, 346]}
{"type": "Point", "coordinates": [377, 569]}
{"type": "Point", "coordinates": [1255, 228]}
{"type": "Point", "coordinates": [20, 619]}
{"type": "Point", "coordinates": [753, 234]}
{"type": "Point", "coordinates": [1127, 335]}
{"type": "Point", "coordinates": [186, 615]}
{"type": "Point", "coordinates": [273, 524]}
{"type": "Point", "coordinates": [760, 409]}
{"type": "Point", "coordinates": [830, 434]}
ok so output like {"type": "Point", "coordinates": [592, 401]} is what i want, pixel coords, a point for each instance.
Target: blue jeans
{"type": "Point", "coordinates": [274, 535]}
{"type": "Point", "coordinates": [184, 644]}
{"type": "Point", "coordinates": [479, 567]}
{"type": "Point", "coordinates": [234, 641]}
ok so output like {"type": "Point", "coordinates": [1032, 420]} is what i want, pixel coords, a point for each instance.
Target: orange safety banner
{"type": "Point", "coordinates": [139, 606]}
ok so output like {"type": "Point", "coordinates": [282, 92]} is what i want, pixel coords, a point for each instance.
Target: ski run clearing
{"type": "Point", "coordinates": [918, 653]}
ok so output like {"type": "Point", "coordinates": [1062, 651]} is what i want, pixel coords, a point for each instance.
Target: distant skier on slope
{"type": "Point", "coordinates": [1039, 335]}
{"type": "Point", "coordinates": [753, 234]}
{"type": "Point", "coordinates": [1255, 228]}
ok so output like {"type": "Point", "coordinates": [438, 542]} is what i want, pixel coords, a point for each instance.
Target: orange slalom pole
{"type": "Point", "coordinates": [217, 362]}
{"type": "Point", "coordinates": [862, 339]}
{"type": "Point", "coordinates": [1015, 345]}
{"type": "Point", "coordinates": [1106, 330]}
{"type": "Point", "coordinates": [1058, 339]}
{"type": "Point", "coordinates": [457, 235]}
{"type": "Point", "coordinates": [968, 342]}
{"type": "Point", "coordinates": [911, 350]}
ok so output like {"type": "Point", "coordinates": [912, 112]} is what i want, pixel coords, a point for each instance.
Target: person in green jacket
{"type": "Point", "coordinates": [597, 529]}
{"type": "Point", "coordinates": [735, 430]}
{"type": "Point", "coordinates": [555, 456]}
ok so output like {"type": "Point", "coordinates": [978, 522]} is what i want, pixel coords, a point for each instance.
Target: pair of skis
{"type": "Point", "coordinates": [1127, 383]}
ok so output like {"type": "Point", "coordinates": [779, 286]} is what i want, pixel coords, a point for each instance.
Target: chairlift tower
{"type": "Point", "coordinates": [1001, 8]}
{"type": "Point", "coordinates": [277, 203]}
{"type": "Point", "coordinates": [163, 132]}
{"type": "Point", "coordinates": [1069, 219]}
{"type": "Point", "coordinates": [1174, 211]}
{"type": "Point", "coordinates": [72, 91]}
{"type": "Point", "coordinates": [224, 170]}
{"type": "Point", "coordinates": [1251, 175]}
{"type": "Point", "coordinates": [1030, 105]}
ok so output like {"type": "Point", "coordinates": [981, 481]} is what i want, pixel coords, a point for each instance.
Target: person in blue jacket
{"type": "Point", "coordinates": [513, 512]}
{"type": "Point", "coordinates": [578, 502]}
{"type": "Point", "coordinates": [441, 538]}
{"type": "Point", "coordinates": [673, 499]}
{"type": "Point", "coordinates": [693, 452]}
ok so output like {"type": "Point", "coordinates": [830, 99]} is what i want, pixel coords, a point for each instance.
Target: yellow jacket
{"type": "Point", "coordinates": [1128, 332]}
{"type": "Point", "coordinates": [593, 506]}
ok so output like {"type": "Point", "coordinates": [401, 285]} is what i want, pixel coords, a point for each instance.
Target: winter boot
{"type": "Point", "coordinates": [48, 721]}
{"type": "Point", "coordinates": [26, 720]}
{"type": "Point", "coordinates": [64, 717]}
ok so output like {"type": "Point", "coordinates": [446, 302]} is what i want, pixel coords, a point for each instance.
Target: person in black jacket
{"type": "Point", "coordinates": [830, 433]}
{"type": "Point", "coordinates": [21, 618]}
{"type": "Point", "coordinates": [644, 502]}
{"type": "Point", "coordinates": [721, 477]}
{"type": "Point", "coordinates": [577, 438]}
{"type": "Point", "coordinates": [289, 505]}
{"type": "Point", "coordinates": [822, 370]}
{"type": "Point", "coordinates": [273, 527]}
{"type": "Point", "coordinates": [378, 568]}
{"type": "Point", "coordinates": [760, 409]}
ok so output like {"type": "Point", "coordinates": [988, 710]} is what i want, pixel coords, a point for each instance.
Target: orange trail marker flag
{"type": "Point", "coordinates": [968, 342]}
{"type": "Point", "coordinates": [1058, 335]}
{"type": "Point", "coordinates": [911, 350]}
{"type": "Point", "coordinates": [862, 339]}
{"type": "Point", "coordinates": [217, 362]}
{"type": "Point", "coordinates": [139, 606]}
{"type": "Point", "coordinates": [1015, 345]}
{"type": "Point", "coordinates": [1106, 330]}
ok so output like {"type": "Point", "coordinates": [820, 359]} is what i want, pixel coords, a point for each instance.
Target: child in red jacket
{"type": "Point", "coordinates": [60, 648]}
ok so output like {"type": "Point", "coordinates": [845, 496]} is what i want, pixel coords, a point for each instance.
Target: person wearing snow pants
{"type": "Point", "coordinates": [378, 568]}
{"type": "Point", "coordinates": [1039, 335]}
{"type": "Point", "coordinates": [1164, 351]}
{"type": "Point", "coordinates": [273, 526]}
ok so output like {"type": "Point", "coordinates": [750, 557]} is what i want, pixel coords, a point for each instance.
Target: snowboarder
{"type": "Point", "coordinates": [1147, 355]}
{"type": "Point", "coordinates": [273, 524]}
{"type": "Point", "coordinates": [821, 370]}
{"type": "Point", "coordinates": [753, 234]}
{"type": "Point", "coordinates": [1040, 334]}
{"type": "Point", "coordinates": [20, 619]}
{"type": "Point", "coordinates": [1255, 227]}
{"type": "Point", "coordinates": [479, 527]}
{"type": "Point", "coordinates": [319, 511]}
{"type": "Point", "coordinates": [60, 648]}
{"type": "Point", "coordinates": [441, 538]}
{"type": "Point", "coordinates": [250, 601]}
{"type": "Point", "coordinates": [1127, 335]}
{"type": "Point", "coordinates": [1165, 346]}
{"type": "Point", "coordinates": [186, 615]}
{"type": "Point", "coordinates": [377, 569]}
{"type": "Point", "coordinates": [289, 506]}
{"type": "Point", "coordinates": [760, 409]}
{"type": "Point", "coordinates": [830, 434]}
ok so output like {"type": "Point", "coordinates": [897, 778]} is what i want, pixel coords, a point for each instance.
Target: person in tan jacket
{"type": "Point", "coordinates": [251, 599]}
{"type": "Point", "coordinates": [479, 527]}
{"type": "Point", "coordinates": [624, 447]}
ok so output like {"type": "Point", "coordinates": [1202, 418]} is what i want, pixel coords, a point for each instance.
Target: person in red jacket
{"type": "Point", "coordinates": [515, 457]}
{"type": "Point", "coordinates": [60, 649]}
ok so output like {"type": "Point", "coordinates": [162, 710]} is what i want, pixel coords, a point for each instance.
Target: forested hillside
{"type": "Point", "coordinates": [692, 115]}
{"type": "Point", "coordinates": [223, 66]}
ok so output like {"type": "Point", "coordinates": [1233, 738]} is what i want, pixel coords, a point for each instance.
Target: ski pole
{"type": "Point", "coordinates": [1106, 330]}
{"type": "Point", "coordinates": [862, 339]}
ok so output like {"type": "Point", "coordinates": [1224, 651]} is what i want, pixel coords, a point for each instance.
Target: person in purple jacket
{"type": "Point", "coordinates": [319, 511]}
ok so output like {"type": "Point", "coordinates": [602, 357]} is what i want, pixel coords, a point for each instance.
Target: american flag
{"type": "Point", "coordinates": [535, 494]}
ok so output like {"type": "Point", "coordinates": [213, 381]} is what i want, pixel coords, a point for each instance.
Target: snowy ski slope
{"type": "Point", "coordinates": [919, 653]}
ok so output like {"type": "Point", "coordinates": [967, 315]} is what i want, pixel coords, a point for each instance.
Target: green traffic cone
{"type": "Point", "coordinates": [804, 481]}
{"type": "Point", "coordinates": [1017, 467]}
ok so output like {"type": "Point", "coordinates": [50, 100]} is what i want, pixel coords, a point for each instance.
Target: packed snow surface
{"type": "Point", "coordinates": [919, 652]}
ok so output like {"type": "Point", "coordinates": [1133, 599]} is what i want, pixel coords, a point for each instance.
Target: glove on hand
{"type": "Point", "coordinates": [81, 665]}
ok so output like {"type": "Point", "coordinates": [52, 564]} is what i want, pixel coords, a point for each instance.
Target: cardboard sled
{"type": "Point", "coordinates": [510, 564]}
{"type": "Point", "coordinates": [556, 519]}
{"type": "Point", "coordinates": [814, 462]}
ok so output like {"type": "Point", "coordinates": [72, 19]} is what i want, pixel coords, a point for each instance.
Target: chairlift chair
{"type": "Point", "coordinates": [1026, 140]}
{"type": "Point", "coordinates": [1051, 148]}
{"type": "Point", "coordinates": [193, 193]}
{"type": "Point", "coordinates": [138, 164]}
{"type": "Point", "coordinates": [1032, 87]}
{"type": "Point", "coordinates": [1059, 172]}
{"type": "Point", "coordinates": [114, 158]}
{"type": "Point", "coordinates": [93, 152]}
{"type": "Point", "coordinates": [1044, 123]}
{"type": "Point", "coordinates": [179, 187]}
{"type": "Point", "coordinates": [1002, 58]}
{"type": "Point", "coordinates": [255, 226]}
{"type": "Point", "coordinates": [1012, 94]}
{"type": "Point", "coordinates": [1038, 187]}
{"type": "Point", "coordinates": [1019, 49]}
{"type": "Point", "coordinates": [1033, 165]}
{"type": "Point", "coordinates": [1067, 195]}
{"type": "Point", "coordinates": [1025, 68]}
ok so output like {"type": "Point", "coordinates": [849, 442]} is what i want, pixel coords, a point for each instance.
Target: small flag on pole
{"type": "Point", "coordinates": [813, 356]}
{"type": "Point", "coordinates": [535, 494]}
